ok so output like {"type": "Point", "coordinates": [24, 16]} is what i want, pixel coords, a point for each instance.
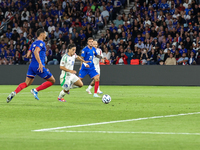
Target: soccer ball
{"type": "Point", "coordinates": [106, 99]}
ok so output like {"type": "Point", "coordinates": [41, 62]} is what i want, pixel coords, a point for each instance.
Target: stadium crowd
{"type": "Point", "coordinates": [154, 32]}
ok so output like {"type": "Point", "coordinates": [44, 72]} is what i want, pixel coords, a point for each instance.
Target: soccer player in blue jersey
{"type": "Point", "coordinates": [36, 67]}
{"type": "Point", "coordinates": [88, 68]}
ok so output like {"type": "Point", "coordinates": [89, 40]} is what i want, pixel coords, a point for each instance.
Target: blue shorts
{"type": "Point", "coordinates": [33, 71]}
{"type": "Point", "coordinates": [90, 71]}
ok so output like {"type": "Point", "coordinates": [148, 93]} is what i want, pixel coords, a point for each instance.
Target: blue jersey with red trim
{"type": "Point", "coordinates": [42, 53]}
{"type": "Point", "coordinates": [88, 55]}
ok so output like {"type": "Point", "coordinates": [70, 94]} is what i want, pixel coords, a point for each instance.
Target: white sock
{"type": "Point", "coordinates": [98, 89]}
{"type": "Point", "coordinates": [62, 94]}
{"type": "Point", "coordinates": [90, 87]}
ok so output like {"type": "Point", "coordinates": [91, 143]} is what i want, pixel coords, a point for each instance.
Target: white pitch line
{"type": "Point", "coordinates": [101, 123]}
{"type": "Point", "coordinates": [125, 132]}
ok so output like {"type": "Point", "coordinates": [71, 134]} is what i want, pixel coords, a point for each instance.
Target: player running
{"type": "Point", "coordinates": [68, 77]}
{"type": "Point", "coordinates": [36, 67]}
{"type": "Point", "coordinates": [97, 67]}
{"type": "Point", "coordinates": [88, 68]}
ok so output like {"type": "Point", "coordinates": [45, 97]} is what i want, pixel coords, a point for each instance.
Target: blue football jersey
{"type": "Point", "coordinates": [88, 55]}
{"type": "Point", "coordinates": [42, 53]}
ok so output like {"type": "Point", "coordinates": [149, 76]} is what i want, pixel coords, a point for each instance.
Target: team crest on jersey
{"type": "Point", "coordinates": [63, 63]}
{"type": "Point", "coordinates": [41, 44]}
{"type": "Point", "coordinates": [93, 52]}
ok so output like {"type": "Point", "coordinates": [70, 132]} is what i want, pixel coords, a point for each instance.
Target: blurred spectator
{"type": "Point", "coordinates": [191, 60]}
{"type": "Point", "coordinates": [77, 42]}
{"type": "Point", "coordinates": [122, 59]}
{"type": "Point", "coordinates": [152, 57]}
{"type": "Point", "coordinates": [55, 58]}
{"type": "Point", "coordinates": [183, 60]}
{"type": "Point", "coordinates": [118, 22]}
{"type": "Point", "coordinates": [170, 60]}
{"type": "Point", "coordinates": [113, 58]}
{"type": "Point", "coordinates": [106, 53]}
{"type": "Point", "coordinates": [144, 57]}
{"type": "Point", "coordinates": [129, 54]}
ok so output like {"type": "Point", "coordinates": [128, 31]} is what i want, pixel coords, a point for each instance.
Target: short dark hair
{"type": "Point", "coordinates": [39, 31]}
{"type": "Point", "coordinates": [70, 46]}
{"type": "Point", "coordinates": [90, 38]}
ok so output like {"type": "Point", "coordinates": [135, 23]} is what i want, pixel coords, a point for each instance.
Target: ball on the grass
{"type": "Point", "coordinates": [106, 99]}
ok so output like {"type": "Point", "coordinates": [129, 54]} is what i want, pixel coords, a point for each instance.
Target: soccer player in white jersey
{"type": "Point", "coordinates": [97, 67]}
{"type": "Point", "coordinates": [68, 77]}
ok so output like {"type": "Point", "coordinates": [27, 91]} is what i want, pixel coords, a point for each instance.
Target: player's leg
{"type": "Point", "coordinates": [65, 83]}
{"type": "Point", "coordinates": [50, 81]}
{"type": "Point", "coordinates": [20, 87]}
{"type": "Point", "coordinates": [97, 68]}
{"type": "Point", "coordinates": [90, 87]}
{"type": "Point", "coordinates": [96, 85]}
{"type": "Point", "coordinates": [29, 80]}
{"type": "Point", "coordinates": [62, 95]}
{"type": "Point", "coordinates": [94, 75]}
{"type": "Point", "coordinates": [78, 83]}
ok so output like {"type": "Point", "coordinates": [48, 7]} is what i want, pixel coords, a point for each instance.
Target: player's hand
{"type": "Point", "coordinates": [87, 62]}
{"type": "Point", "coordinates": [103, 60]}
{"type": "Point", "coordinates": [87, 66]}
{"type": "Point", "coordinates": [80, 68]}
{"type": "Point", "coordinates": [73, 71]}
{"type": "Point", "coordinates": [40, 68]}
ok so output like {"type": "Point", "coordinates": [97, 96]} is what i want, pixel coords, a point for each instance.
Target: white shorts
{"type": "Point", "coordinates": [97, 68]}
{"type": "Point", "coordinates": [68, 81]}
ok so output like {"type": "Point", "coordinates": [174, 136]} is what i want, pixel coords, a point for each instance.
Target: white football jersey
{"type": "Point", "coordinates": [96, 60]}
{"type": "Point", "coordinates": [68, 62]}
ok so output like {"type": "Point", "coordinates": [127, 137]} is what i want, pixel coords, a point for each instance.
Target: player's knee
{"type": "Point", "coordinates": [53, 81]}
{"type": "Point", "coordinates": [96, 78]}
{"type": "Point", "coordinates": [81, 85]}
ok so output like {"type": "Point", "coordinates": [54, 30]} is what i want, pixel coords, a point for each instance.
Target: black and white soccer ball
{"type": "Point", "coordinates": [106, 99]}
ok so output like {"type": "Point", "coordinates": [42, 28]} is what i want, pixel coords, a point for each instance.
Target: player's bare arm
{"type": "Point", "coordinates": [67, 70]}
{"type": "Point", "coordinates": [82, 60]}
{"type": "Point", "coordinates": [100, 57]}
{"type": "Point", "coordinates": [28, 55]}
{"type": "Point", "coordinates": [37, 57]}
{"type": "Point", "coordinates": [87, 66]}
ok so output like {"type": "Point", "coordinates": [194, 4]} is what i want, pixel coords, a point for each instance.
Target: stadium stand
{"type": "Point", "coordinates": [145, 32]}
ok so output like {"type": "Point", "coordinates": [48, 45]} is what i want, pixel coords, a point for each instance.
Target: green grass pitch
{"type": "Point", "coordinates": [24, 114]}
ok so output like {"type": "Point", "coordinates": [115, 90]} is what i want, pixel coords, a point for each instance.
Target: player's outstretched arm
{"type": "Point", "coordinates": [99, 56]}
{"type": "Point", "coordinates": [37, 57]}
{"type": "Point", "coordinates": [67, 70]}
{"type": "Point", "coordinates": [82, 60]}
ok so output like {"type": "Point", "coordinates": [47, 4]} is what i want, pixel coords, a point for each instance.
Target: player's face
{"type": "Point", "coordinates": [95, 44]}
{"type": "Point", "coordinates": [44, 35]}
{"type": "Point", "coordinates": [72, 51]}
{"type": "Point", "coordinates": [90, 43]}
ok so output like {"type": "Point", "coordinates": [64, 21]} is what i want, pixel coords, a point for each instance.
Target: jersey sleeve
{"type": "Point", "coordinates": [101, 53]}
{"type": "Point", "coordinates": [95, 52]}
{"type": "Point", "coordinates": [63, 60]}
{"type": "Point", "coordinates": [83, 53]}
{"type": "Point", "coordinates": [40, 45]}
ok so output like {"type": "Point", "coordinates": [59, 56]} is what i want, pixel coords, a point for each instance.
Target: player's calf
{"type": "Point", "coordinates": [62, 95]}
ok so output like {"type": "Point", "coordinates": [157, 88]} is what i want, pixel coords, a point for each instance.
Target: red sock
{"type": "Point", "coordinates": [96, 86]}
{"type": "Point", "coordinates": [44, 86]}
{"type": "Point", "coordinates": [20, 87]}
